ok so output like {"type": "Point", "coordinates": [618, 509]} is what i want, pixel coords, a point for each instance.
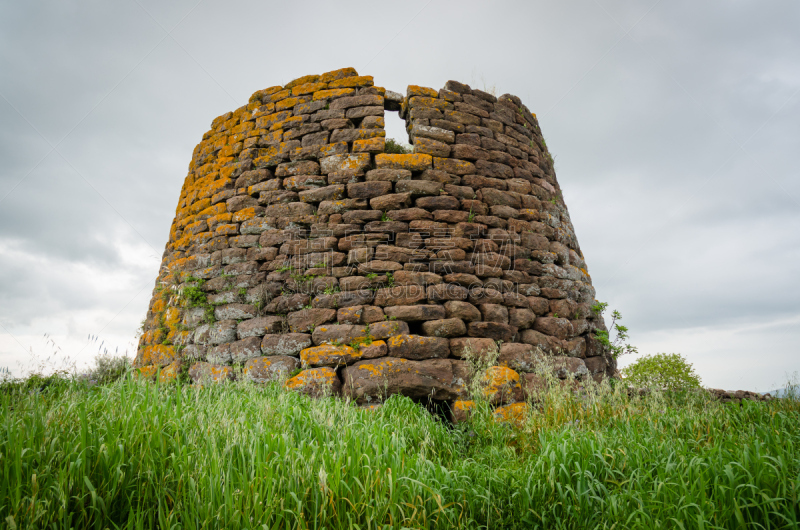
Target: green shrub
{"type": "Point", "coordinates": [663, 370]}
{"type": "Point", "coordinates": [396, 148]}
{"type": "Point", "coordinates": [108, 368]}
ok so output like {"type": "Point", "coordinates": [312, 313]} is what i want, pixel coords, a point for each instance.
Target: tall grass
{"type": "Point", "coordinates": [138, 455]}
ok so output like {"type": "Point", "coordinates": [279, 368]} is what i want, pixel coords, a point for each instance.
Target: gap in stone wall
{"type": "Point", "coordinates": [395, 127]}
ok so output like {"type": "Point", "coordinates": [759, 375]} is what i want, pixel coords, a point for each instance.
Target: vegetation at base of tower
{"type": "Point", "coordinates": [396, 148]}
{"type": "Point", "coordinates": [133, 454]}
{"type": "Point", "coordinates": [662, 370]}
{"type": "Point", "coordinates": [616, 346]}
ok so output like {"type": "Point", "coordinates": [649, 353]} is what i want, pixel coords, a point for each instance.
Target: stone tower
{"type": "Point", "coordinates": [301, 248]}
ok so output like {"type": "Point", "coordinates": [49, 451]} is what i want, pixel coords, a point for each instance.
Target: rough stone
{"type": "Point", "coordinates": [480, 348]}
{"type": "Point", "coordinates": [416, 347]}
{"type": "Point", "coordinates": [447, 327]}
{"type": "Point", "coordinates": [285, 344]}
{"type": "Point", "coordinates": [268, 369]}
{"type": "Point", "coordinates": [376, 380]}
{"type": "Point", "coordinates": [316, 382]}
{"type": "Point", "coordinates": [416, 313]}
{"type": "Point", "coordinates": [492, 330]}
{"type": "Point", "coordinates": [308, 319]}
{"type": "Point", "coordinates": [206, 373]}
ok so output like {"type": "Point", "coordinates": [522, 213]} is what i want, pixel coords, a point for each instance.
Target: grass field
{"type": "Point", "coordinates": [138, 455]}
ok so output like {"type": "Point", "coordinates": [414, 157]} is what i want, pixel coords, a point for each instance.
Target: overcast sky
{"type": "Point", "coordinates": [675, 127]}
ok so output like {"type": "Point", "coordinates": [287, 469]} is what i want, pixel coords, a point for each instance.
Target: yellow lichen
{"type": "Point", "coordinates": [329, 354]}
{"type": "Point", "coordinates": [333, 93]}
{"type": "Point", "coordinates": [244, 215]}
{"type": "Point", "coordinates": [500, 379]}
{"type": "Point", "coordinates": [416, 90]}
{"type": "Point", "coordinates": [412, 162]}
{"type": "Point", "coordinates": [514, 413]}
{"type": "Point", "coordinates": [308, 88]}
{"type": "Point", "coordinates": [352, 82]}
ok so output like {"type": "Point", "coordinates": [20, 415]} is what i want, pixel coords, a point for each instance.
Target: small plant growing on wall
{"type": "Point", "coordinates": [616, 345]}
{"type": "Point", "coordinates": [396, 148]}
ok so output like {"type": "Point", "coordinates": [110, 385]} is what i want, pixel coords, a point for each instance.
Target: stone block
{"type": "Point", "coordinates": [242, 350]}
{"type": "Point", "coordinates": [377, 379]}
{"type": "Point", "coordinates": [206, 373]}
{"type": "Point", "coordinates": [462, 310]}
{"type": "Point", "coordinates": [338, 334]}
{"type": "Point", "coordinates": [369, 190]}
{"type": "Point", "coordinates": [316, 382]}
{"type": "Point", "coordinates": [416, 313]}
{"type": "Point", "coordinates": [447, 327]}
{"type": "Point", "coordinates": [492, 330]}
{"type": "Point", "coordinates": [417, 348]}
{"type": "Point", "coordinates": [413, 162]}
{"type": "Point", "coordinates": [268, 369]}
{"type": "Point", "coordinates": [286, 344]}
{"type": "Point", "coordinates": [329, 355]}
{"type": "Point", "coordinates": [338, 163]}
{"type": "Point", "coordinates": [386, 329]}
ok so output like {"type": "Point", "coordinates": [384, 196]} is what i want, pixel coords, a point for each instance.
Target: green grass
{"type": "Point", "coordinates": [137, 455]}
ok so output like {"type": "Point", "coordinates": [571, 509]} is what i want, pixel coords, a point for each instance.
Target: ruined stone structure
{"type": "Point", "coordinates": [300, 248]}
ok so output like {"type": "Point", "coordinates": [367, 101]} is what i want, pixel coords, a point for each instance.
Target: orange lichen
{"type": "Point", "coordinates": [371, 145]}
{"type": "Point", "coordinates": [308, 88]}
{"type": "Point", "coordinates": [257, 95]}
{"type": "Point", "coordinates": [222, 142]}
{"type": "Point", "coordinates": [146, 372]}
{"type": "Point", "coordinates": [312, 376]}
{"type": "Point", "coordinates": [157, 354]}
{"type": "Point", "coordinates": [217, 219]}
{"type": "Point", "coordinates": [329, 354]}
{"type": "Point", "coordinates": [244, 215]}
{"type": "Point", "coordinates": [500, 380]}
{"type": "Point", "coordinates": [200, 205]}
{"type": "Point", "coordinates": [257, 364]}
{"type": "Point", "coordinates": [327, 77]}
{"type": "Point", "coordinates": [220, 374]}
{"type": "Point", "coordinates": [263, 110]}
{"type": "Point", "coordinates": [386, 363]}
{"type": "Point", "coordinates": [170, 372]}
{"type": "Point", "coordinates": [217, 209]}
{"type": "Point", "coordinates": [225, 230]}
{"type": "Point", "coordinates": [288, 122]}
{"type": "Point", "coordinates": [435, 103]}
{"type": "Point", "coordinates": [416, 90]}
{"type": "Point", "coordinates": [352, 82]}
{"type": "Point", "coordinates": [243, 127]}
{"type": "Point", "coordinates": [463, 406]}
{"type": "Point", "coordinates": [278, 96]}
{"type": "Point", "coordinates": [286, 104]}
{"type": "Point", "coordinates": [413, 162]}
{"type": "Point", "coordinates": [514, 413]}
{"type": "Point", "coordinates": [333, 93]}
{"type": "Point", "coordinates": [302, 81]}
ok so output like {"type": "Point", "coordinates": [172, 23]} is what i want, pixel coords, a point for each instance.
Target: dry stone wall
{"type": "Point", "coordinates": [300, 248]}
